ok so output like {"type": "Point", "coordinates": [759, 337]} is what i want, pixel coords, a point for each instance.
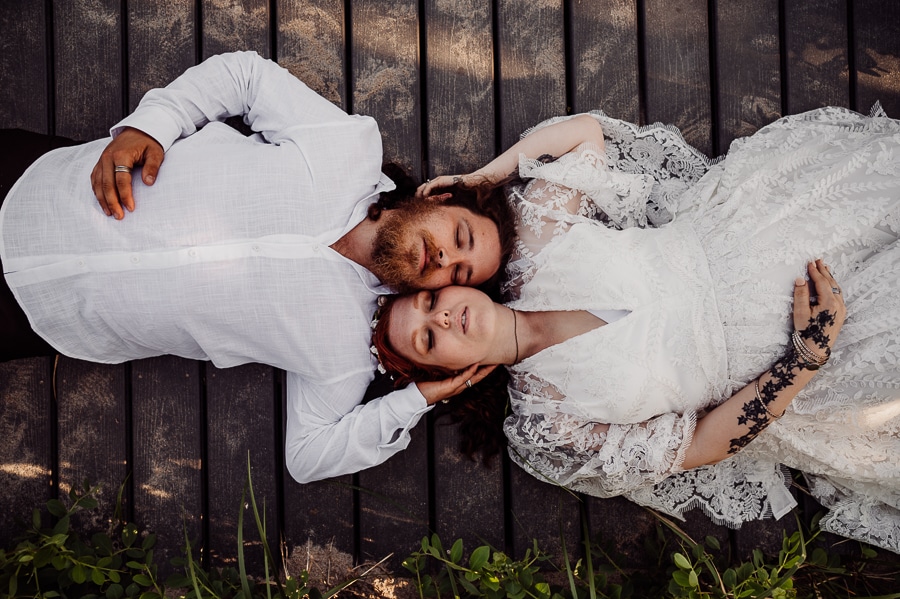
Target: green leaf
{"type": "Point", "coordinates": [59, 562]}
{"type": "Point", "coordinates": [102, 542]}
{"type": "Point", "coordinates": [682, 578]}
{"type": "Point", "coordinates": [149, 542]}
{"type": "Point", "coordinates": [134, 565]}
{"type": "Point", "coordinates": [692, 579]}
{"type": "Point", "coordinates": [36, 518]}
{"type": "Point", "coordinates": [13, 585]}
{"type": "Point", "coordinates": [62, 527]}
{"type": "Point", "coordinates": [456, 551]}
{"type": "Point", "coordinates": [729, 577]}
{"type": "Point", "coordinates": [97, 577]}
{"type": "Point", "coordinates": [142, 580]}
{"type": "Point", "coordinates": [681, 561]}
{"type": "Point", "coordinates": [23, 559]}
{"type": "Point", "coordinates": [713, 543]}
{"type": "Point", "coordinates": [56, 508]}
{"type": "Point", "coordinates": [479, 557]}
{"type": "Point", "coordinates": [78, 574]}
{"type": "Point", "coordinates": [115, 591]}
{"type": "Point", "coordinates": [115, 576]}
{"type": "Point", "coordinates": [129, 534]}
{"type": "Point", "coordinates": [88, 503]}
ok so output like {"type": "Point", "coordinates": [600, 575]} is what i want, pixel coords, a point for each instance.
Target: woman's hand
{"type": "Point", "coordinates": [435, 391]}
{"type": "Point", "coordinates": [819, 322]}
{"type": "Point", "coordinates": [428, 188]}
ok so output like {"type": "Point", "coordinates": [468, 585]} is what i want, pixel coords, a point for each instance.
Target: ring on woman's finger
{"type": "Point", "coordinates": [468, 383]}
{"type": "Point", "coordinates": [836, 290]}
{"type": "Point", "coordinates": [121, 168]}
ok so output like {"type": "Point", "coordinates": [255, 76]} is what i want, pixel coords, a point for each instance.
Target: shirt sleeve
{"type": "Point", "coordinates": [329, 433]}
{"type": "Point", "coordinates": [270, 99]}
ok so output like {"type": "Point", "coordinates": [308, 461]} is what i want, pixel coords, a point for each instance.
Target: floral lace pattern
{"type": "Point", "coordinates": [612, 411]}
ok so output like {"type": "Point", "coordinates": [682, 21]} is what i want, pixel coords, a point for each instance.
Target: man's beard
{"type": "Point", "coordinates": [395, 259]}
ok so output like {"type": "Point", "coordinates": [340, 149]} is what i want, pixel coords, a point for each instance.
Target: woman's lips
{"type": "Point", "coordinates": [464, 320]}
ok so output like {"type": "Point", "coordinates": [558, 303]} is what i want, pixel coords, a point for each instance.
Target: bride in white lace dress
{"type": "Point", "coordinates": [645, 355]}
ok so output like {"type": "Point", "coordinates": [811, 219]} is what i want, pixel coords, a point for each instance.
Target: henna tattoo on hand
{"type": "Point", "coordinates": [546, 158]}
{"type": "Point", "coordinates": [754, 414]}
{"type": "Point", "coordinates": [815, 330]}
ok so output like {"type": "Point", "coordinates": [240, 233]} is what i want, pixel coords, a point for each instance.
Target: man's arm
{"type": "Point", "coordinates": [238, 84]}
{"type": "Point", "coordinates": [329, 433]}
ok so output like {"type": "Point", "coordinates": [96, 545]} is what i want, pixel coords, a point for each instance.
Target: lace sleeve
{"type": "Point", "coordinates": [576, 187]}
{"type": "Point", "coordinates": [604, 460]}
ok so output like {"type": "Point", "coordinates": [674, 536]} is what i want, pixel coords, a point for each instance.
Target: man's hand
{"type": "Point", "coordinates": [435, 391]}
{"type": "Point", "coordinates": [129, 149]}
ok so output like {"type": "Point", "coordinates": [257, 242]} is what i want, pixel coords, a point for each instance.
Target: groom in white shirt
{"type": "Point", "coordinates": [241, 249]}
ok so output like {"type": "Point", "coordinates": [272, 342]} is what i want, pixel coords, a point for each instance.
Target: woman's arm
{"type": "Point", "coordinates": [552, 141]}
{"type": "Point", "coordinates": [733, 424]}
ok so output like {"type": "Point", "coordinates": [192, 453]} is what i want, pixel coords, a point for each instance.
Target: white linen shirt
{"type": "Point", "coordinates": [226, 257]}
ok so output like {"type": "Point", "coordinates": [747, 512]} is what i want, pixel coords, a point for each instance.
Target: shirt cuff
{"type": "Point", "coordinates": [154, 122]}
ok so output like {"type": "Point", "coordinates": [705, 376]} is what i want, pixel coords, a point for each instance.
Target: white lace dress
{"type": "Point", "coordinates": [706, 300]}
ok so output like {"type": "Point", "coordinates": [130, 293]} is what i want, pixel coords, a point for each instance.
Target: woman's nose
{"type": "Point", "coordinates": [442, 318]}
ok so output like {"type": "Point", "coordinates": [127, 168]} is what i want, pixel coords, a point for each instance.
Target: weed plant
{"type": "Point", "coordinates": [51, 559]}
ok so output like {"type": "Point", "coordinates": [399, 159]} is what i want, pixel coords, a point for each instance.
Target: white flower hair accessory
{"type": "Point", "coordinates": [374, 324]}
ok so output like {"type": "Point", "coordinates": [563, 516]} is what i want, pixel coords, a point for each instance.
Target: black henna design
{"type": "Point", "coordinates": [754, 413]}
{"type": "Point", "coordinates": [545, 158]}
{"type": "Point", "coordinates": [815, 330]}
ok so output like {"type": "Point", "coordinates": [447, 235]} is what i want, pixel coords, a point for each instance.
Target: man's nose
{"type": "Point", "coordinates": [445, 258]}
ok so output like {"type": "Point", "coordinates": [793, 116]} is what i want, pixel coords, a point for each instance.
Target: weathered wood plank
{"type": "Point", "coordinates": [92, 432]}
{"type": "Point", "coordinates": [386, 76]}
{"type": "Point", "coordinates": [167, 438]}
{"type": "Point", "coordinates": [545, 512]}
{"type": "Point", "coordinates": [532, 64]}
{"type": "Point", "coordinates": [623, 529]}
{"type": "Point", "coordinates": [241, 421]}
{"type": "Point", "coordinates": [26, 422]}
{"type": "Point", "coordinates": [231, 25]}
{"type": "Point", "coordinates": [468, 496]}
{"type": "Point", "coordinates": [393, 501]}
{"type": "Point", "coordinates": [677, 63]}
{"type": "Point", "coordinates": [162, 44]}
{"type": "Point", "coordinates": [88, 50]}
{"type": "Point", "coordinates": [605, 58]}
{"type": "Point", "coordinates": [23, 63]}
{"type": "Point", "coordinates": [876, 25]}
{"type": "Point", "coordinates": [310, 44]}
{"type": "Point", "coordinates": [816, 42]}
{"type": "Point", "coordinates": [459, 83]}
{"type": "Point", "coordinates": [748, 70]}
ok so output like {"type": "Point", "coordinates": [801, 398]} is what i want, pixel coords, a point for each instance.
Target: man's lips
{"type": "Point", "coordinates": [423, 259]}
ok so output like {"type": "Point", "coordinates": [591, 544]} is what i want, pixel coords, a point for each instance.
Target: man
{"type": "Point", "coordinates": [241, 249]}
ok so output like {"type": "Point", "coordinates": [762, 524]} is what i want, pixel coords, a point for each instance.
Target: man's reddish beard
{"type": "Point", "coordinates": [395, 255]}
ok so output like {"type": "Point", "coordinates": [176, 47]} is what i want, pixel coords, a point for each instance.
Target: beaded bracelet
{"type": "Point", "coordinates": [808, 359]}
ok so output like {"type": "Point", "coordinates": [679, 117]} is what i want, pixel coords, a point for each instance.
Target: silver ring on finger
{"type": "Point", "coordinates": [468, 383]}
{"type": "Point", "coordinates": [121, 168]}
{"type": "Point", "coordinates": [836, 290]}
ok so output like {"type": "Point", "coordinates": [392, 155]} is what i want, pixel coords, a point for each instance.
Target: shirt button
{"type": "Point", "coordinates": [81, 263]}
{"type": "Point", "coordinates": [135, 259]}
{"type": "Point", "coordinates": [316, 248]}
{"type": "Point", "coordinates": [255, 248]}
{"type": "Point", "coordinates": [192, 253]}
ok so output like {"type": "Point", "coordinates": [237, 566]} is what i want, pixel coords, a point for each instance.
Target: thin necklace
{"type": "Point", "coordinates": [516, 335]}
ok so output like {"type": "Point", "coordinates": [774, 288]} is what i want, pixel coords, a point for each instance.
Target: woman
{"type": "Point", "coordinates": [643, 361]}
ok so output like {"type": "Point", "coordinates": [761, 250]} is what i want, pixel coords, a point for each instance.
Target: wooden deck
{"type": "Point", "coordinates": [451, 82]}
